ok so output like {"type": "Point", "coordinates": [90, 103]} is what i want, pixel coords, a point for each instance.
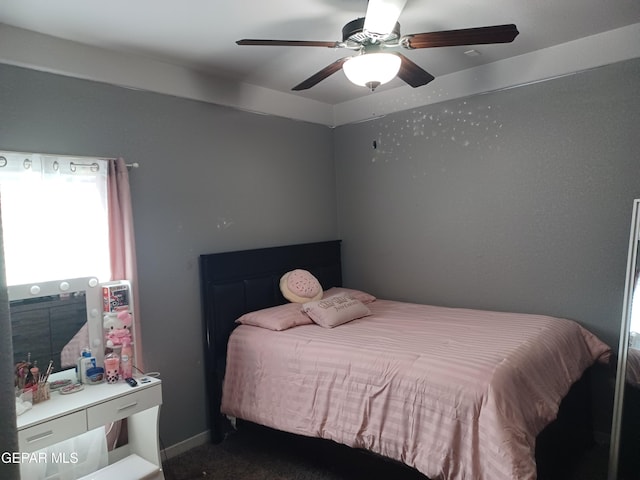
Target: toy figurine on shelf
{"type": "Point", "coordinates": [117, 326]}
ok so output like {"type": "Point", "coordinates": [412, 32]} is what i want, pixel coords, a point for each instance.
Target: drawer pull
{"type": "Point", "coordinates": [40, 436]}
{"type": "Point", "coordinates": [124, 407]}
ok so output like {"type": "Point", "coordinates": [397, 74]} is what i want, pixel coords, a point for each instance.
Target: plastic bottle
{"type": "Point", "coordinates": [80, 368]}
{"type": "Point", "coordinates": [126, 359]}
{"type": "Point", "coordinates": [88, 363]}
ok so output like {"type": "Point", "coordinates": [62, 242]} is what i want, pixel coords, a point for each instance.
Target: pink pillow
{"type": "Point", "coordinates": [357, 294]}
{"type": "Point", "coordinates": [336, 310]}
{"type": "Point", "coordinates": [300, 286]}
{"type": "Point", "coordinates": [276, 318]}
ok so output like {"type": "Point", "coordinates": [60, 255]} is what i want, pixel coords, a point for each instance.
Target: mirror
{"type": "Point", "coordinates": [624, 462]}
{"type": "Point", "coordinates": [46, 316]}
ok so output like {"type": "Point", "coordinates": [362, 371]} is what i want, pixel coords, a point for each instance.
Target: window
{"type": "Point", "coordinates": [54, 217]}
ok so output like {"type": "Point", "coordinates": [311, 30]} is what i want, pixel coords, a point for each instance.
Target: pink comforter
{"type": "Point", "coordinates": [456, 393]}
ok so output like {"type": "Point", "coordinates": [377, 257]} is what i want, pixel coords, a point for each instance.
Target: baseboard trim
{"type": "Point", "coordinates": [185, 445]}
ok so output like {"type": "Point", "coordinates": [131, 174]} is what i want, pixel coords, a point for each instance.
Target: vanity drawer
{"type": "Point", "coordinates": [54, 431]}
{"type": "Point", "coordinates": [121, 407]}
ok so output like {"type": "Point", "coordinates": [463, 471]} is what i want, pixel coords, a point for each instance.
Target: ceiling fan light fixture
{"type": "Point", "coordinates": [372, 69]}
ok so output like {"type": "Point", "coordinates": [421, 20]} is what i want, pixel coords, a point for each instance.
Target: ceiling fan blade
{"type": "Point", "coordinates": [321, 75]}
{"type": "Point", "coordinates": [412, 74]}
{"type": "Point", "coordinates": [287, 43]}
{"type": "Point", "coordinates": [465, 36]}
{"type": "Point", "coordinates": [382, 15]}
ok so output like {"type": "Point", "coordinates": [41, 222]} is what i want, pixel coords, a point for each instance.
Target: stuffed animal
{"type": "Point", "coordinates": [117, 327]}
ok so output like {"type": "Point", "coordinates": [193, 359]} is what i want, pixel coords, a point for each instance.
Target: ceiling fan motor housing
{"type": "Point", "coordinates": [354, 32]}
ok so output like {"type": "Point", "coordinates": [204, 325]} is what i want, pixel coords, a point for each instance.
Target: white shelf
{"type": "Point", "coordinates": [61, 405]}
{"type": "Point", "coordinates": [132, 467]}
{"type": "Point", "coordinates": [67, 416]}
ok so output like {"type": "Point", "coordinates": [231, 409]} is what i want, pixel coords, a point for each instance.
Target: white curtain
{"type": "Point", "coordinates": [54, 217]}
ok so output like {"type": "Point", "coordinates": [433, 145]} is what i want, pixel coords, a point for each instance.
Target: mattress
{"type": "Point", "coordinates": [455, 393]}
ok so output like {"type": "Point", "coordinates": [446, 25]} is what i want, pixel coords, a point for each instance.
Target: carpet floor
{"type": "Point", "coordinates": [259, 453]}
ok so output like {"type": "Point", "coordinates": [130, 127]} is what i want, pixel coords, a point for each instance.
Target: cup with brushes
{"type": "Point", "coordinates": [32, 385]}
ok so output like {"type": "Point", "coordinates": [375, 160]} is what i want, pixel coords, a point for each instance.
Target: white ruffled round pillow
{"type": "Point", "coordinates": [300, 286]}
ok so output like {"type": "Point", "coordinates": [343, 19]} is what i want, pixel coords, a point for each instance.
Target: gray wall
{"type": "Point", "coordinates": [210, 179]}
{"type": "Point", "coordinates": [517, 200]}
{"type": "Point", "coordinates": [514, 200]}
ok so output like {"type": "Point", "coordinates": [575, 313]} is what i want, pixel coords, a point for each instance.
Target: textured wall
{"type": "Point", "coordinates": [514, 200]}
{"type": "Point", "coordinates": [210, 179]}
{"type": "Point", "coordinates": [517, 200]}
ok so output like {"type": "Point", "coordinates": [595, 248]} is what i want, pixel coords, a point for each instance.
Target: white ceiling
{"type": "Point", "coordinates": [201, 34]}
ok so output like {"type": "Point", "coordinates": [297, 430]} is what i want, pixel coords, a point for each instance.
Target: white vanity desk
{"type": "Point", "coordinates": [66, 416]}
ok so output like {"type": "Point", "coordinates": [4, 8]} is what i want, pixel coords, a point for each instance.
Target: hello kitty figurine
{"type": "Point", "coordinates": [117, 326]}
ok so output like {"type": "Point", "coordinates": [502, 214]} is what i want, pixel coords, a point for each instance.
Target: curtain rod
{"type": "Point", "coordinates": [94, 166]}
{"type": "Point", "coordinates": [128, 165]}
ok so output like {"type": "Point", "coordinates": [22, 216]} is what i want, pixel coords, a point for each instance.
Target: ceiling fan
{"type": "Point", "coordinates": [377, 32]}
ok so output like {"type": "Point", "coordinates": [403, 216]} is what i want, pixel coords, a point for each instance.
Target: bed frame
{"type": "Point", "coordinates": [235, 283]}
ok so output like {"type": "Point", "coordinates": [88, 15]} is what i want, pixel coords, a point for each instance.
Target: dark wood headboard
{"type": "Point", "coordinates": [234, 283]}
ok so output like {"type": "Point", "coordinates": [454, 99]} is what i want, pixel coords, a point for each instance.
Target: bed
{"type": "Point", "coordinates": [455, 393]}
